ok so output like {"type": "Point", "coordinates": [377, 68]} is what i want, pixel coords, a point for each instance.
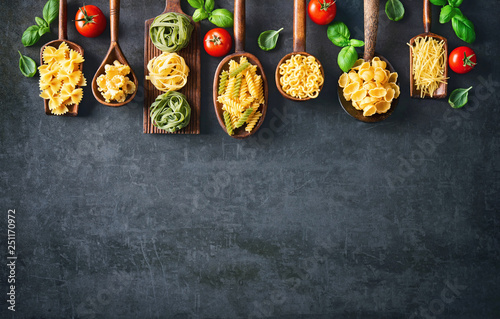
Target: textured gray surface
{"type": "Point", "coordinates": [317, 216]}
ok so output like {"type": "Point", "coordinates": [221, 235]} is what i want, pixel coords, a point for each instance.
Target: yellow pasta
{"type": "Point", "coordinates": [114, 85]}
{"type": "Point", "coordinates": [369, 86]}
{"type": "Point", "coordinates": [301, 77]}
{"type": "Point", "coordinates": [168, 72]}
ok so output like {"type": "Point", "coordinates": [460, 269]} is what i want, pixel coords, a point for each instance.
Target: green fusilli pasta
{"type": "Point", "coordinates": [227, 122]}
{"type": "Point", "coordinates": [223, 82]}
{"type": "Point", "coordinates": [237, 86]}
{"type": "Point", "coordinates": [239, 69]}
{"type": "Point", "coordinates": [244, 117]}
{"type": "Point", "coordinates": [171, 32]}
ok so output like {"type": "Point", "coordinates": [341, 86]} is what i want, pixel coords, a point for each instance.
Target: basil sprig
{"type": "Point", "coordinates": [459, 97]}
{"type": "Point", "coordinates": [33, 33]}
{"type": "Point", "coordinates": [222, 18]}
{"type": "Point", "coordinates": [463, 27]}
{"type": "Point", "coordinates": [339, 34]}
{"type": "Point", "coordinates": [394, 10]}
{"type": "Point", "coordinates": [267, 40]}
{"type": "Point", "coordinates": [27, 65]}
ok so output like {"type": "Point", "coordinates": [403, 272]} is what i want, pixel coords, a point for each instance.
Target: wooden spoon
{"type": "Point", "coordinates": [299, 45]}
{"type": "Point", "coordinates": [63, 34]}
{"type": "Point", "coordinates": [239, 43]}
{"type": "Point", "coordinates": [114, 53]}
{"type": "Point", "coordinates": [371, 12]}
{"type": "Point", "coordinates": [442, 90]}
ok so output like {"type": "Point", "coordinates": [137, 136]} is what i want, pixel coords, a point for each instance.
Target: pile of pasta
{"type": "Point", "coordinates": [429, 63]}
{"type": "Point", "coordinates": [241, 93]}
{"type": "Point", "coordinates": [61, 77]}
{"type": "Point", "coordinates": [168, 72]}
{"type": "Point", "coordinates": [370, 86]}
{"type": "Point", "coordinates": [300, 76]}
{"type": "Point", "coordinates": [114, 84]}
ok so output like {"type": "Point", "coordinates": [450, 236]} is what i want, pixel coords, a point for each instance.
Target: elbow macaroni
{"type": "Point", "coordinates": [301, 77]}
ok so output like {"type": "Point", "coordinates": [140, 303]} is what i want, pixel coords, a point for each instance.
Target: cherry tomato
{"type": "Point", "coordinates": [90, 21]}
{"type": "Point", "coordinates": [322, 11]}
{"type": "Point", "coordinates": [217, 42]}
{"type": "Point", "coordinates": [462, 60]}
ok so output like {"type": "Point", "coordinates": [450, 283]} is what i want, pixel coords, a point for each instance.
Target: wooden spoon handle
{"type": "Point", "coordinates": [427, 16]}
{"type": "Point", "coordinates": [371, 27]}
{"type": "Point", "coordinates": [299, 25]}
{"type": "Point", "coordinates": [239, 25]}
{"type": "Point", "coordinates": [114, 19]}
{"type": "Point", "coordinates": [173, 6]}
{"type": "Point", "coordinates": [63, 19]}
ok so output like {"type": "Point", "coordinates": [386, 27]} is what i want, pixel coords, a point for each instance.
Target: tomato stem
{"type": "Point", "coordinates": [467, 60]}
{"type": "Point", "coordinates": [88, 19]}
{"type": "Point", "coordinates": [325, 4]}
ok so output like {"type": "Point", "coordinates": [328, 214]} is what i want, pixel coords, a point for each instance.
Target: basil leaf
{"type": "Point", "coordinates": [338, 33]}
{"type": "Point", "coordinates": [197, 4]}
{"type": "Point", "coordinates": [356, 43]}
{"type": "Point", "coordinates": [455, 3]}
{"type": "Point", "coordinates": [209, 5]}
{"type": "Point", "coordinates": [41, 22]}
{"type": "Point", "coordinates": [267, 40]}
{"type": "Point", "coordinates": [200, 14]}
{"type": "Point", "coordinates": [30, 36]}
{"type": "Point", "coordinates": [459, 97]}
{"type": "Point", "coordinates": [51, 11]}
{"type": "Point", "coordinates": [43, 30]}
{"type": "Point", "coordinates": [439, 2]}
{"type": "Point", "coordinates": [347, 57]}
{"type": "Point", "coordinates": [394, 10]}
{"type": "Point", "coordinates": [27, 66]}
{"type": "Point", "coordinates": [464, 28]}
{"type": "Point", "coordinates": [222, 18]}
{"type": "Point", "coordinates": [447, 13]}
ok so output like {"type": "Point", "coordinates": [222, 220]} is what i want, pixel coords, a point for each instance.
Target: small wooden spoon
{"type": "Point", "coordinates": [114, 53]}
{"type": "Point", "coordinates": [371, 13]}
{"type": "Point", "coordinates": [63, 34]}
{"type": "Point", "coordinates": [442, 90]}
{"type": "Point", "coordinates": [239, 43]}
{"type": "Point", "coordinates": [299, 45]}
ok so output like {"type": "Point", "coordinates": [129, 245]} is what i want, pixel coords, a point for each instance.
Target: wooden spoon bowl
{"type": "Point", "coordinates": [114, 53]}
{"type": "Point", "coordinates": [63, 35]}
{"type": "Point", "coordinates": [299, 46]}
{"type": "Point", "coordinates": [239, 39]}
{"type": "Point", "coordinates": [442, 90]}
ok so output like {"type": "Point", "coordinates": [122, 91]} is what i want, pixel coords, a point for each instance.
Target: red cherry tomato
{"type": "Point", "coordinates": [322, 11]}
{"type": "Point", "coordinates": [462, 60]}
{"type": "Point", "coordinates": [90, 21]}
{"type": "Point", "coordinates": [217, 42]}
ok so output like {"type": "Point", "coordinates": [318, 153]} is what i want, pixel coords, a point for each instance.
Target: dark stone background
{"type": "Point", "coordinates": [317, 216]}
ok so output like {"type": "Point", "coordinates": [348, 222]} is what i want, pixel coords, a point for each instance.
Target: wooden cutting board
{"type": "Point", "coordinates": [192, 90]}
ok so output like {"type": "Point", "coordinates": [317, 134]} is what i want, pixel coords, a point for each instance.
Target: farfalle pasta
{"type": "Point", "coordinates": [168, 72]}
{"type": "Point", "coordinates": [370, 86]}
{"type": "Point", "coordinates": [61, 78]}
{"type": "Point", "coordinates": [114, 84]}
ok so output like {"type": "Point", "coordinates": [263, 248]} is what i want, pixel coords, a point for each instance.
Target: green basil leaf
{"type": "Point", "coordinates": [200, 14]}
{"type": "Point", "coordinates": [394, 10]}
{"type": "Point", "coordinates": [41, 22]}
{"type": "Point", "coordinates": [197, 4]}
{"type": "Point", "coordinates": [51, 11]}
{"type": "Point", "coordinates": [459, 97]}
{"type": "Point", "coordinates": [209, 5]}
{"type": "Point", "coordinates": [455, 3]}
{"type": "Point", "coordinates": [347, 57]}
{"type": "Point", "coordinates": [339, 34]}
{"type": "Point", "coordinates": [356, 43]}
{"type": "Point", "coordinates": [439, 2]}
{"type": "Point", "coordinates": [447, 13]}
{"type": "Point", "coordinates": [222, 18]}
{"type": "Point", "coordinates": [43, 30]}
{"type": "Point", "coordinates": [267, 40]}
{"type": "Point", "coordinates": [27, 66]}
{"type": "Point", "coordinates": [30, 36]}
{"type": "Point", "coordinates": [464, 28]}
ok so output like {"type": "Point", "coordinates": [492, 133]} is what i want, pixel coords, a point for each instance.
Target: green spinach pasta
{"type": "Point", "coordinates": [170, 111]}
{"type": "Point", "coordinates": [171, 32]}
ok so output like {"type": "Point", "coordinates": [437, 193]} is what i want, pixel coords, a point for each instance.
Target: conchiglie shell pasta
{"type": "Point", "coordinates": [389, 95]}
{"type": "Point", "coordinates": [359, 95]}
{"type": "Point", "coordinates": [378, 92]}
{"type": "Point", "coordinates": [380, 75]}
{"type": "Point", "coordinates": [366, 74]}
{"type": "Point", "coordinates": [369, 110]}
{"type": "Point", "coordinates": [393, 78]}
{"type": "Point", "coordinates": [351, 88]}
{"type": "Point", "coordinates": [343, 80]}
{"type": "Point", "coordinates": [382, 106]}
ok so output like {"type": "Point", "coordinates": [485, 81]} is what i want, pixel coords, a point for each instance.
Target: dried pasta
{"type": "Point", "coordinates": [168, 72]}
{"type": "Point", "coordinates": [241, 93]}
{"type": "Point", "coordinates": [370, 87]}
{"type": "Point", "coordinates": [114, 84]}
{"type": "Point", "coordinates": [61, 78]}
{"type": "Point", "coordinates": [301, 77]}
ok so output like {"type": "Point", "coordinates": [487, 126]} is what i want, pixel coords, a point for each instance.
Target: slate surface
{"type": "Point", "coordinates": [317, 216]}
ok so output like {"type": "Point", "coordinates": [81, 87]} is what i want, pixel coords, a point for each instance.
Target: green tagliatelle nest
{"type": "Point", "coordinates": [171, 32]}
{"type": "Point", "coordinates": [170, 111]}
